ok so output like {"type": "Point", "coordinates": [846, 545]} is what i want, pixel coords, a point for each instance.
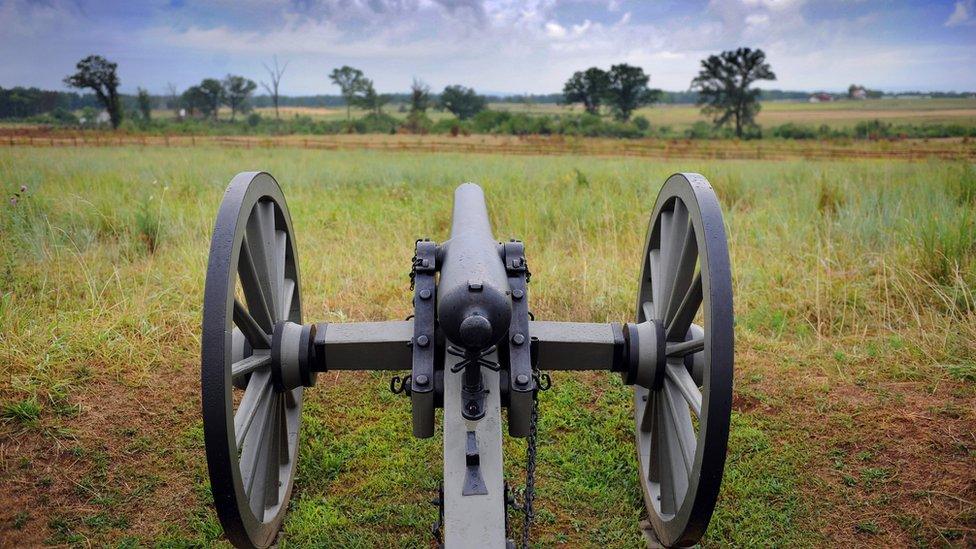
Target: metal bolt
{"type": "Point", "coordinates": [422, 379]}
{"type": "Point", "coordinates": [423, 341]}
{"type": "Point", "coordinates": [521, 379]}
{"type": "Point", "coordinates": [475, 285]}
{"type": "Point", "coordinates": [425, 294]}
{"type": "Point", "coordinates": [518, 294]}
{"type": "Point", "coordinates": [518, 339]}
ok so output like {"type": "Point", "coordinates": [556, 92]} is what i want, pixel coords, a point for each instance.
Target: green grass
{"type": "Point", "coordinates": [854, 286]}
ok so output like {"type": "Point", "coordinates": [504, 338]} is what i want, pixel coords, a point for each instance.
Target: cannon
{"type": "Point", "coordinates": [470, 349]}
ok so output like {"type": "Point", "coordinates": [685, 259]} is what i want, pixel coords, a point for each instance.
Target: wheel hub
{"type": "Point", "coordinates": [647, 359]}
{"type": "Point", "coordinates": [292, 354]}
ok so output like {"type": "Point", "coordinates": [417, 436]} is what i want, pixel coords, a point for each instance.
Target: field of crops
{"type": "Point", "coordinates": [855, 293]}
{"type": "Point", "coordinates": [837, 114]}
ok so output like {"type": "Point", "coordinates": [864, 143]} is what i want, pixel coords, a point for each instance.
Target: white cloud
{"type": "Point", "coordinates": [757, 19]}
{"type": "Point", "coordinates": [555, 30]}
{"type": "Point", "coordinates": [962, 14]}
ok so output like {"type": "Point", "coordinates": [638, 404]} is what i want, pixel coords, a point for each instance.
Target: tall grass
{"type": "Point", "coordinates": [102, 270]}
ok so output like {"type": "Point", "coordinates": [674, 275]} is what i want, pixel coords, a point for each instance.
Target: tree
{"type": "Point", "coordinates": [99, 74]}
{"type": "Point", "coordinates": [211, 95]}
{"type": "Point", "coordinates": [588, 87]}
{"type": "Point", "coordinates": [274, 74]}
{"type": "Point", "coordinates": [367, 98]}
{"type": "Point", "coordinates": [350, 81]}
{"type": "Point", "coordinates": [145, 104]}
{"type": "Point", "coordinates": [627, 90]}
{"type": "Point", "coordinates": [419, 97]}
{"type": "Point", "coordinates": [723, 85]}
{"type": "Point", "coordinates": [417, 120]}
{"type": "Point", "coordinates": [462, 102]}
{"type": "Point", "coordinates": [237, 90]}
{"type": "Point", "coordinates": [193, 100]}
{"type": "Point", "coordinates": [174, 99]}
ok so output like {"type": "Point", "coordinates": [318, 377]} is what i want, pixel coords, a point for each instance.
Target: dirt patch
{"type": "Point", "coordinates": [115, 469]}
{"type": "Point", "coordinates": [744, 403]}
{"type": "Point", "coordinates": [892, 464]}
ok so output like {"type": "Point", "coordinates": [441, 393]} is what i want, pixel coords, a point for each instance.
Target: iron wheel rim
{"type": "Point", "coordinates": [249, 511]}
{"type": "Point", "coordinates": [679, 514]}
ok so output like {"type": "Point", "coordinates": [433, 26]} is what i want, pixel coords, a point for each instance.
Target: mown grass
{"type": "Point", "coordinates": [853, 280]}
{"type": "Point", "coordinates": [838, 114]}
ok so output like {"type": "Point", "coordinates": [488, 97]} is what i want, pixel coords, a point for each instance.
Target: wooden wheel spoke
{"type": "Point", "coordinates": [289, 297]}
{"type": "Point", "coordinates": [647, 309]}
{"type": "Point", "coordinates": [673, 236]}
{"type": "Point", "coordinates": [248, 268]}
{"type": "Point", "coordinates": [247, 365]}
{"type": "Point", "coordinates": [283, 454]}
{"type": "Point", "coordinates": [281, 247]}
{"type": "Point", "coordinates": [258, 390]}
{"type": "Point", "coordinates": [256, 336]}
{"type": "Point", "coordinates": [685, 348]}
{"type": "Point", "coordinates": [683, 381]}
{"type": "Point", "coordinates": [254, 471]}
{"type": "Point", "coordinates": [654, 263]}
{"type": "Point", "coordinates": [680, 421]}
{"type": "Point", "coordinates": [683, 317]}
{"type": "Point", "coordinates": [646, 421]}
{"type": "Point", "coordinates": [683, 274]}
{"type": "Point", "coordinates": [259, 243]}
{"type": "Point", "coordinates": [272, 457]}
{"type": "Point", "coordinates": [674, 475]}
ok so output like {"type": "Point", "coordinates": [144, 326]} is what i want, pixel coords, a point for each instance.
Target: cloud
{"type": "Point", "coordinates": [962, 14]}
{"type": "Point", "coordinates": [493, 45]}
{"type": "Point", "coordinates": [555, 30]}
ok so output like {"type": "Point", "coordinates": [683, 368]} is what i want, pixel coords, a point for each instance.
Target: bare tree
{"type": "Point", "coordinates": [174, 99]}
{"type": "Point", "coordinates": [274, 73]}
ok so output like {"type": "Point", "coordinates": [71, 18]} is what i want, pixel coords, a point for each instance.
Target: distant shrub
{"type": "Point", "coordinates": [794, 131]}
{"type": "Point", "coordinates": [701, 130]}
{"type": "Point", "coordinates": [872, 129]}
{"type": "Point", "coordinates": [417, 122]}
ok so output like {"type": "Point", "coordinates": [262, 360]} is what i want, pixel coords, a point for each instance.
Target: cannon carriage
{"type": "Point", "coordinates": [471, 349]}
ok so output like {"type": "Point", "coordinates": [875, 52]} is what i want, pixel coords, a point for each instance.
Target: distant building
{"type": "Point", "coordinates": [858, 92]}
{"type": "Point", "coordinates": [821, 97]}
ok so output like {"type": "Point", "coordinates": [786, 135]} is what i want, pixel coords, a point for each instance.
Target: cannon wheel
{"type": "Point", "coordinates": [683, 419]}
{"type": "Point", "coordinates": [250, 427]}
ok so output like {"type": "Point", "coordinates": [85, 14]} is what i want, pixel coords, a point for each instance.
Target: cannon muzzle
{"type": "Point", "coordinates": [474, 299]}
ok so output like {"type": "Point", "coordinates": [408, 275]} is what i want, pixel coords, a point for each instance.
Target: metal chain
{"type": "Point", "coordinates": [530, 453]}
{"type": "Point", "coordinates": [543, 383]}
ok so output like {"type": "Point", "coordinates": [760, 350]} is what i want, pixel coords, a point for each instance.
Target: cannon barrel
{"type": "Point", "coordinates": [474, 303]}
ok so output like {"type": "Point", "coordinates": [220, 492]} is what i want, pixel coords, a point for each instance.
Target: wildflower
{"type": "Point", "coordinates": [23, 188]}
{"type": "Point", "coordinates": [13, 200]}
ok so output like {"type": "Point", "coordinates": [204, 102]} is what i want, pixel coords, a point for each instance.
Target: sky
{"type": "Point", "coordinates": [495, 46]}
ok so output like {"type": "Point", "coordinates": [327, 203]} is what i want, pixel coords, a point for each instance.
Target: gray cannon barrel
{"type": "Point", "coordinates": [474, 303]}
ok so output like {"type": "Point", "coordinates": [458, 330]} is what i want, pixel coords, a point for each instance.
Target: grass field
{"type": "Point", "coordinates": [838, 114]}
{"type": "Point", "coordinates": [855, 397]}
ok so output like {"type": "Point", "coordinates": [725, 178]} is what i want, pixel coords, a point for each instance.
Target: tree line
{"type": "Point", "coordinates": [724, 88]}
